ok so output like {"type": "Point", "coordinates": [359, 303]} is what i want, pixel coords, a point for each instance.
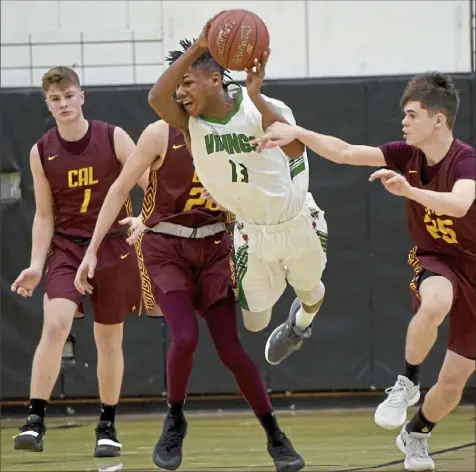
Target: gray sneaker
{"type": "Point", "coordinates": [415, 448]}
{"type": "Point", "coordinates": [286, 338]}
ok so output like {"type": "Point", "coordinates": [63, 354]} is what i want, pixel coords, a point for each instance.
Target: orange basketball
{"type": "Point", "coordinates": [236, 38]}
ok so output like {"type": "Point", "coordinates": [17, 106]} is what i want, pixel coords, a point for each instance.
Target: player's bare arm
{"type": "Point", "coordinates": [269, 113]}
{"type": "Point", "coordinates": [329, 147]}
{"type": "Point", "coordinates": [455, 203]}
{"type": "Point", "coordinates": [124, 147]}
{"type": "Point", "coordinates": [42, 232]}
{"type": "Point", "coordinates": [143, 156]}
{"type": "Point", "coordinates": [161, 96]}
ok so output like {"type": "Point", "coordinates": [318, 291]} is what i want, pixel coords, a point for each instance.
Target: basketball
{"type": "Point", "coordinates": [236, 38]}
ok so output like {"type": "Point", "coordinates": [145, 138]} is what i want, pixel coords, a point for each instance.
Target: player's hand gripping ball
{"type": "Point", "coordinates": [236, 38]}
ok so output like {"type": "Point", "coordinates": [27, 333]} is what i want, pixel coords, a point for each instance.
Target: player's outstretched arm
{"type": "Point", "coordinates": [125, 147]}
{"type": "Point", "coordinates": [329, 147]}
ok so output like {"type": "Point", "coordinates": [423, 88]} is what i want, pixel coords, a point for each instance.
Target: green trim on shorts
{"type": "Point", "coordinates": [296, 166]}
{"type": "Point", "coordinates": [241, 257]}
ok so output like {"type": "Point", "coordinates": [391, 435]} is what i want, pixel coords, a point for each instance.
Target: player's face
{"type": "Point", "coordinates": [65, 103]}
{"type": "Point", "coordinates": [419, 125]}
{"type": "Point", "coordinates": [196, 90]}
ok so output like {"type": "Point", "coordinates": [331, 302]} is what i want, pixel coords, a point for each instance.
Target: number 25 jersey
{"type": "Point", "coordinates": [432, 232]}
{"type": "Point", "coordinates": [80, 174]}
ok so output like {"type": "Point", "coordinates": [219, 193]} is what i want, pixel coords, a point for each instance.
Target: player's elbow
{"type": "Point", "coordinates": [459, 211]}
{"type": "Point", "coordinates": [156, 101]}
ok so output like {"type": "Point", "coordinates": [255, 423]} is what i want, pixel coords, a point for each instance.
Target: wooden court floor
{"type": "Point", "coordinates": [329, 440]}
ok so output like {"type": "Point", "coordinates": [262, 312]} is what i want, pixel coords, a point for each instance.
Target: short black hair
{"type": "Point", "coordinates": [205, 61]}
{"type": "Point", "coordinates": [435, 92]}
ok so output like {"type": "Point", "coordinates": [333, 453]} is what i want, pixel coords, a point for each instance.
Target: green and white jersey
{"type": "Point", "coordinates": [261, 188]}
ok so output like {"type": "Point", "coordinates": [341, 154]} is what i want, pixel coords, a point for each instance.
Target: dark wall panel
{"type": "Point", "coordinates": [359, 336]}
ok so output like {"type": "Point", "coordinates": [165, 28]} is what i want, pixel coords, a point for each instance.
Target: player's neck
{"type": "Point", "coordinates": [75, 130]}
{"type": "Point", "coordinates": [222, 107]}
{"type": "Point", "coordinates": [436, 149]}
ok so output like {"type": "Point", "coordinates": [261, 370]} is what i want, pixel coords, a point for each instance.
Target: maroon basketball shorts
{"type": "Point", "coordinates": [200, 267]}
{"type": "Point", "coordinates": [462, 336]}
{"type": "Point", "coordinates": [116, 282]}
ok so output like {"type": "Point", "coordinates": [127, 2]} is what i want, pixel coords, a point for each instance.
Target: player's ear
{"type": "Point", "coordinates": [82, 97]}
{"type": "Point", "coordinates": [440, 120]}
{"type": "Point", "coordinates": [216, 79]}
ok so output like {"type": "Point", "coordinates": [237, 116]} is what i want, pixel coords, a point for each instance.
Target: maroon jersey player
{"type": "Point", "coordinates": [436, 173]}
{"type": "Point", "coordinates": [73, 166]}
{"type": "Point", "coordinates": [187, 253]}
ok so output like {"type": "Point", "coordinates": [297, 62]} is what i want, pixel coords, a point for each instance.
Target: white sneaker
{"type": "Point", "coordinates": [415, 448]}
{"type": "Point", "coordinates": [392, 413]}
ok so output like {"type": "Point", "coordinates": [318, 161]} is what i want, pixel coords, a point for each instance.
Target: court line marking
{"type": "Point", "coordinates": [387, 464]}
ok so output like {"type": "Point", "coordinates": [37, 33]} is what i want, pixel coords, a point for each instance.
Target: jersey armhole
{"type": "Point", "coordinates": [110, 135]}
{"type": "Point", "coordinates": [41, 152]}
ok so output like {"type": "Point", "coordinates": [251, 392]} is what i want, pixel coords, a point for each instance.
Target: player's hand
{"type": "Point", "coordinates": [394, 182]}
{"type": "Point", "coordinates": [207, 196]}
{"type": "Point", "coordinates": [136, 228]}
{"type": "Point", "coordinates": [276, 135]}
{"type": "Point", "coordinates": [26, 282]}
{"type": "Point", "coordinates": [202, 40]}
{"type": "Point", "coordinates": [85, 271]}
{"type": "Point", "coordinates": [255, 75]}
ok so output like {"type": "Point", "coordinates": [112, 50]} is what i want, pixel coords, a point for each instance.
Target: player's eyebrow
{"type": "Point", "coordinates": [410, 110]}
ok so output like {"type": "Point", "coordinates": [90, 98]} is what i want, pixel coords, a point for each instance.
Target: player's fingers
{"type": "Point", "coordinates": [21, 291]}
{"type": "Point", "coordinates": [126, 221]}
{"type": "Point", "coordinates": [392, 180]}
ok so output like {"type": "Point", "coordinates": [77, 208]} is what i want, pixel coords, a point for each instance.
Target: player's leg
{"type": "Point", "coordinates": [304, 272]}
{"type": "Point", "coordinates": [260, 283]}
{"type": "Point", "coordinates": [110, 372]}
{"type": "Point", "coordinates": [60, 305]}
{"type": "Point", "coordinates": [437, 295]}
{"type": "Point", "coordinates": [117, 293]}
{"type": "Point", "coordinates": [181, 318]}
{"type": "Point", "coordinates": [442, 398]}
{"type": "Point", "coordinates": [221, 321]}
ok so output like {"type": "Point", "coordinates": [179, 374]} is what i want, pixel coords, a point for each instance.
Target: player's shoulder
{"type": "Point", "coordinates": [463, 150]}
{"type": "Point", "coordinates": [156, 130]}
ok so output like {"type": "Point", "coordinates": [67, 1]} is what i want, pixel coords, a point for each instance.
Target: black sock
{"type": "Point", "coordinates": [37, 407]}
{"type": "Point", "coordinates": [108, 413]}
{"type": "Point", "coordinates": [412, 372]}
{"type": "Point", "coordinates": [419, 424]}
{"type": "Point", "coordinates": [176, 408]}
{"type": "Point", "coordinates": [269, 423]}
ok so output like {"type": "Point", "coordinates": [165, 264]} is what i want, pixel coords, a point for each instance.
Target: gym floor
{"type": "Point", "coordinates": [329, 440]}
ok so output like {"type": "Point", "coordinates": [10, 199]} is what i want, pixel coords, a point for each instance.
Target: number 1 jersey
{"type": "Point", "coordinates": [435, 233]}
{"type": "Point", "coordinates": [80, 174]}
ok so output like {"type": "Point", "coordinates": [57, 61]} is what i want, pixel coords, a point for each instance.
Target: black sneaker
{"type": "Point", "coordinates": [32, 434]}
{"type": "Point", "coordinates": [168, 450]}
{"type": "Point", "coordinates": [285, 458]}
{"type": "Point", "coordinates": [107, 444]}
{"type": "Point", "coordinates": [286, 338]}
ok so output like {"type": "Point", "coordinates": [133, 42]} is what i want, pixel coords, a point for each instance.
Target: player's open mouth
{"type": "Point", "coordinates": [187, 104]}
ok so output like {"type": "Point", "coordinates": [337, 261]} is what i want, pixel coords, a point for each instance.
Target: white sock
{"type": "Point", "coordinates": [303, 318]}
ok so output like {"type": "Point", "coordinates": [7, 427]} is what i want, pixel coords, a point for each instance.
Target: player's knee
{"type": "Point", "coordinates": [186, 342]}
{"type": "Point", "coordinates": [436, 300]}
{"type": "Point", "coordinates": [256, 321]}
{"type": "Point", "coordinates": [108, 338]}
{"type": "Point", "coordinates": [55, 331]}
{"type": "Point", "coordinates": [312, 299]}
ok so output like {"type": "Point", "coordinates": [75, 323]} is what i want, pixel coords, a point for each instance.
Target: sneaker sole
{"type": "Point", "coordinates": [294, 466]}
{"type": "Point", "coordinates": [383, 423]}
{"type": "Point", "coordinates": [107, 451]}
{"type": "Point", "coordinates": [171, 465]}
{"type": "Point", "coordinates": [268, 344]}
{"type": "Point", "coordinates": [27, 443]}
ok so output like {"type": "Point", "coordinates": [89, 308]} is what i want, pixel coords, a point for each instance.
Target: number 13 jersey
{"type": "Point", "coordinates": [261, 188]}
{"type": "Point", "coordinates": [432, 232]}
{"type": "Point", "coordinates": [80, 174]}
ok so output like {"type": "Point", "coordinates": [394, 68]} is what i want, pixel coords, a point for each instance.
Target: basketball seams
{"type": "Point", "coordinates": [232, 41]}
